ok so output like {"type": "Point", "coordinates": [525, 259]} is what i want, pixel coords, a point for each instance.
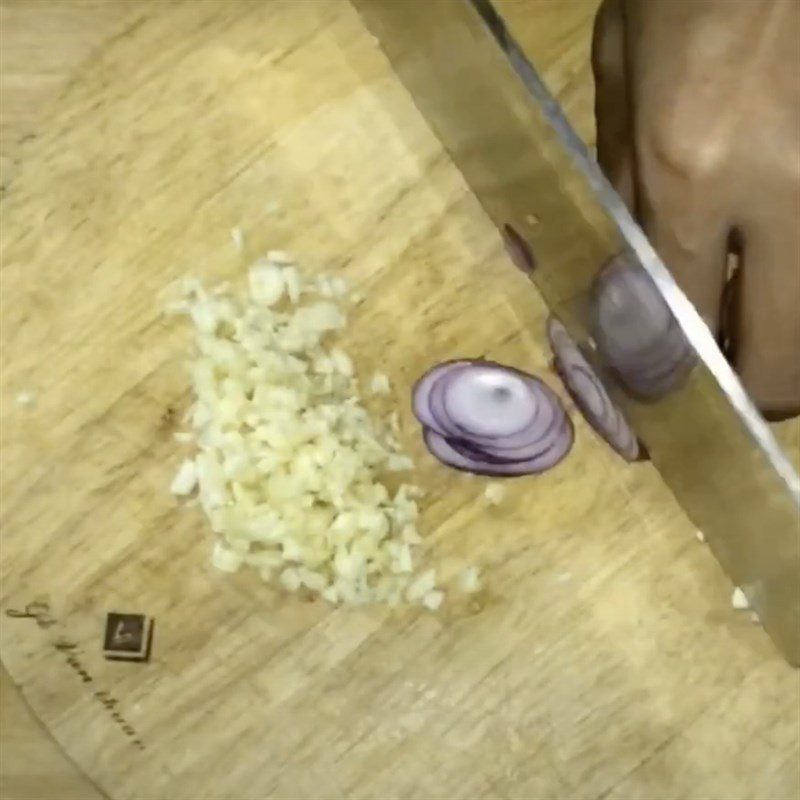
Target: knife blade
{"type": "Point", "coordinates": [521, 158]}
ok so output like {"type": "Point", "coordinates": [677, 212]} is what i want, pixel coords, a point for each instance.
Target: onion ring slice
{"type": "Point", "coordinates": [588, 392]}
{"type": "Point", "coordinates": [560, 445]}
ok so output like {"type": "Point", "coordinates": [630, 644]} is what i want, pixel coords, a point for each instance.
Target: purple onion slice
{"type": "Point", "coordinates": [472, 451]}
{"type": "Point", "coordinates": [481, 452]}
{"type": "Point", "coordinates": [485, 400]}
{"type": "Point", "coordinates": [491, 419]}
{"type": "Point", "coordinates": [588, 392]}
{"type": "Point", "coordinates": [560, 445]}
{"type": "Point", "coordinates": [540, 404]}
{"type": "Point", "coordinates": [421, 402]}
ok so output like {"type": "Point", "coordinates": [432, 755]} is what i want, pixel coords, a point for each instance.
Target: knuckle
{"type": "Point", "coordinates": [682, 143]}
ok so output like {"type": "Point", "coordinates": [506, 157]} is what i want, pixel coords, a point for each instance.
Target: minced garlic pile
{"type": "Point", "coordinates": [291, 470]}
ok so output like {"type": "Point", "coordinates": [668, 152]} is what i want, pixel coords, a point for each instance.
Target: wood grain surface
{"type": "Point", "coordinates": [32, 765]}
{"type": "Point", "coordinates": [605, 662]}
{"type": "Point", "coordinates": [43, 43]}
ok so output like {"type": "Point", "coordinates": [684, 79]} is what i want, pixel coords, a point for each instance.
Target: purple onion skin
{"type": "Point", "coordinates": [631, 453]}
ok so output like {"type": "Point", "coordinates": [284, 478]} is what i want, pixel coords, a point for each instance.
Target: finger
{"type": "Point", "coordinates": [767, 333]}
{"type": "Point", "coordinates": [696, 260]}
{"type": "Point", "coordinates": [612, 112]}
{"type": "Point", "coordinates": [686, 224]}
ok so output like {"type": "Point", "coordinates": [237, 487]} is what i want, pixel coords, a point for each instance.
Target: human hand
{"type": "Point", "coordinates": [698, 114]}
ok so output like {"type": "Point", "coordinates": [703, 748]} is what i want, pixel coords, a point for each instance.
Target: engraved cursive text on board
{"type": "Point", "coordinates": [40, 613]}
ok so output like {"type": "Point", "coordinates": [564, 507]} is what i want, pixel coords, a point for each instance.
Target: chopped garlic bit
{"type": "Point", "coordinates": [468, 581]}
{"type": "Point", "coordinates": [410, 535]}
{"type": "Point", "coordinates": [700, 536]}
{"type": "Point", "coordinates": [379, 384]}
{"type": "Point", "coordinates": [424, 583]}
{"type": "Point", "coordinates": [292, 281]}
{"type": "Point", "coordinates": [290, 465]}
{"type": "Point", "coordinates": [280, 257]}
{"type": "Point", "coordinates": [290, 579]}
{"type": "Point", "coordinates": [739, 600]}
{"type": "Point", "coordinates": [225, 559]}
{"type": "Point", "coordinates": [494, 493]}
{"type": "Point", "coordinates": [26, 399]}
{"type": "Point", "coordinates": [184, 437]}
{"type": "Point", "coordinates": [338, 287]}
{"type": "Point", "coordinates": [399, 463]}
{"type": "Point", "coordinates": [185, 479]}
{"type": "Point", "coordinates": [266, 283]}
{"type": "Point", "coordinates": [238, 238]}
{"type": "Point", "coordinates": [433, 599]}
{"type": "Point", "coordinates": [341, 362]}
{"type": "Point", "coordinates": [323, 286]}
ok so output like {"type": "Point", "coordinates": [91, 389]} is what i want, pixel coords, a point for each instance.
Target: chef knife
{"type": "Point", "coordinates": [562, 220]}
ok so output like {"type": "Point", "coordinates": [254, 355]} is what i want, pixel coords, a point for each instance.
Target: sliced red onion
{"type": "Point", "coordinates": [443, 449]}
{"type": "Point", "coordinates": [544, 417]}
{"type": "Point", "coordinates": [486, 401]}
{"type": "Point", "coordinates": [497, 419]}
{"type": "Point", "coordinates": [421, 393]}
{"type": "Point", "coordinates": [635, 331]}
{"type": "Point", "coordinates": [472, 451]}
{"type": "Point", "coordinates": [431, 407]}
{"type": "Point", "coordinates": [588, 392]}
{"type": "Point", "coordinates": [483, 452]}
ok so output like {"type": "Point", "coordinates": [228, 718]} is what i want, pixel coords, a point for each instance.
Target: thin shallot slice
{"type": "Point", "coordinates": [588, 392]}
{"type": "Point", "coordinates": [444, 451]}
{"type": "Point", "coordinates": [488, 418]}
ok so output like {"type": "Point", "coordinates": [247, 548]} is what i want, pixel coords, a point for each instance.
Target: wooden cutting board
{"type": "Point", "coordinates": [604, 662]}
